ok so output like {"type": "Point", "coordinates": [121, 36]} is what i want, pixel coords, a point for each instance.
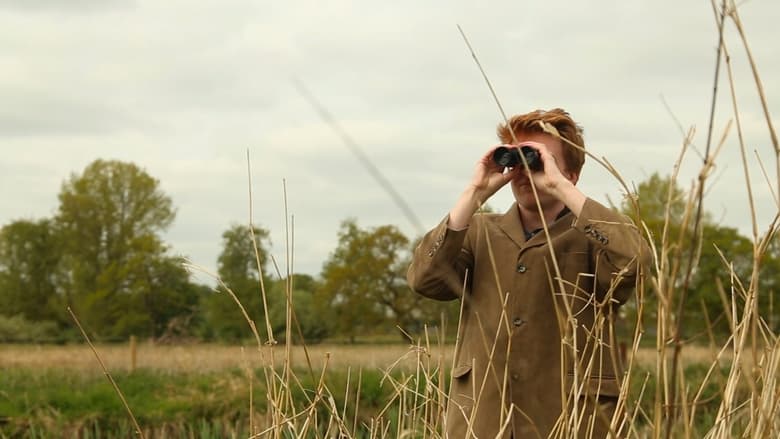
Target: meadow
{"type": "Point", "coordinates": [213, 390]}
{"type": "Point", "coordinates": [198, 389]}
{"type": "Point", "coordinates": [202, 358]}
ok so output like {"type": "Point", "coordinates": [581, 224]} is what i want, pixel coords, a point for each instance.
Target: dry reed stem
{"type": "Point", "coordinates": [356, 150]}
{"type": "Point", "coordinates": [138, 430]}
{"type": "Point", "coordinates": [734, 15]}
{"type": "Point", "coordinates": [256, 249]}
{"type": "Point", "coordinates": [696, 242]}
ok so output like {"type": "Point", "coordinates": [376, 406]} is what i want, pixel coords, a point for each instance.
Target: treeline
{"type": "Point", "coordinates": [102, 255]}
{"type": "Point", "coordinates": [713, 264]}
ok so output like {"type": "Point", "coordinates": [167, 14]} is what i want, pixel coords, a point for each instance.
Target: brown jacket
{"type": "Point", "coordinates": [515, 371]}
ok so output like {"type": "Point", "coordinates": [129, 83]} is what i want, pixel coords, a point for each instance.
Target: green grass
{"type": "Point", "coordinates": [43, 403]}
{"type": "Point", "coordinates": [34, 403]}
{"type": "Point", "coordinates": [706, 406]}
{"type": "Point", "coordinates": [57, 403]}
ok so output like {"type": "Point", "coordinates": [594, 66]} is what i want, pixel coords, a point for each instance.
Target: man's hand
{"type": "Point", "coordinates": [550, 177]}
{"type": "Point", "coordinates": [557, 182]}
{"type": "Point", "coordinates": [487, 179]}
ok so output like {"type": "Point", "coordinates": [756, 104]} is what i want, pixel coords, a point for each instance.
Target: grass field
{"type": "Point", "coordinates": [203, 390]}
{"type": "Point", "coordinates": [204, 357]}
{"type": "Point", "coordinates": [200, 390]}
{"type": "Point", "coordinates": [215, 357]}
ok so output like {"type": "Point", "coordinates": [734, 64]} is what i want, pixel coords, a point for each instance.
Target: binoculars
{"type": "Point", "coordinates": [509, 157]}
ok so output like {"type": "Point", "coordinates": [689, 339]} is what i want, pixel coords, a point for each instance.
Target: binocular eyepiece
{"type": "Point", "coordinates": [509, 157]}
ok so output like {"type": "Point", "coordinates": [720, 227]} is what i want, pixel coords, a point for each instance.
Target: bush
{"type": "Point", "coordinates": [17, 329]}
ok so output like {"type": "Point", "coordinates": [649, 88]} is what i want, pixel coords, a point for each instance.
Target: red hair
{"type": "Point", "coordinates": [557, 117]}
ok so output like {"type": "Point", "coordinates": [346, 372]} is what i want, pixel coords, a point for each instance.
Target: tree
{"type": "Point", "coordinates": [737, 252]}
{"type": "Point", "coordinates": [710, 268]}
{"type": "Point", "coordinates": [655, 196]}
{"type": "Point", "coordinates": [119, 273]}
{"type": "Point", "coordinates": [310, 316]}
{"type": "Point", "coordinates": [769, 299]}
{"type": "Point", "coordinates": [163, 295]}
{"type": "Point", "coordinates": [654, 200]}
{"type": "Point", "coordinates": [364, 282]}
{"type": "Point", "coordinates": [237, 267]}
{"type": "Point", "coordinates": [29, 270]}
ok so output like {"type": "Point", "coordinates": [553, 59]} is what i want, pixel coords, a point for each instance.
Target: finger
{"type": "Point", "coordinates": [488, 157]}
{"type": "Point", "coordinates": [547, 157]}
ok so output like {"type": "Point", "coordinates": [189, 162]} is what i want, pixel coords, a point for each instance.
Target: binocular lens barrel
{"type": "Point", "coordinates": [509, 157]}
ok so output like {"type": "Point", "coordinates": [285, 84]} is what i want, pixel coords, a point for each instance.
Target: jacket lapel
{"type": "Point", "coordinates": [511, 224]}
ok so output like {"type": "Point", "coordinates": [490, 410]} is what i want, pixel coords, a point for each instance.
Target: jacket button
{"type": "Point", "coordinates": [518, 321]}
{"type": "Point", "coordinates": [515, 376]}
{"type": "Point", "coordinates": [521, 268]}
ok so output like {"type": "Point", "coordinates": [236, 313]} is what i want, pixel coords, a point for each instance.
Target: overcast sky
{"type": "Point", "coordinates": [185, 88]}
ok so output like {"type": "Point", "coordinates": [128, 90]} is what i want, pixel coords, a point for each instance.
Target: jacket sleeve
{"type": "Point", "coordinates": [619, 251]}
{"type": "Point", "coordinates": [440, 263]}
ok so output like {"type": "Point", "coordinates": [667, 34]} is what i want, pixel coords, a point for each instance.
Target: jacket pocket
{"type": "Point", "coordinates": [604, 385]}
{"type": "Point", "coordinates": [461, 371]}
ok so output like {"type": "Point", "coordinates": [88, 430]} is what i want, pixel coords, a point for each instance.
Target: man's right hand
{"type": "Point", "coordinates": [487, 179]}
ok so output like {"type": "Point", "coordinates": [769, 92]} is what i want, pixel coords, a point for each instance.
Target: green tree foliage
{"type": "Point", "coordinates": [364, 283]}
{"type": "Point", "coordinates": [769, 300]}
{"type": "Point", "coordinates": [737, 253]}
{"type": "Point", "coordinates": [703, 304]}
{"type": "Point", "coordinates": [656, 196]}
{"type": "Point", "coordinates": [29, 270]}
{"type": "Point", "coordinates": [19, 329]}
{"type": "Point", "coordinates": [306, 313]}
{"type": "Point", "coordinates": [163, 292]}
{"type": "Point", "coordinates": [237, 266]}
{"type": "Point", "coordinates": [120, 278]}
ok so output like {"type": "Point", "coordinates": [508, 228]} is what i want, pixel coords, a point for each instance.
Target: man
{"type": "Point", "coordinates": [539, 288]}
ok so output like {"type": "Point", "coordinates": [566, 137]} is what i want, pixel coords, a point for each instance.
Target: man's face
{"type": "Point", "coordinates": [521, 186]}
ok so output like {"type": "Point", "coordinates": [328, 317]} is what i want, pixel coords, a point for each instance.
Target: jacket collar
{"type": "Point", "coordinates": [511, 223]}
